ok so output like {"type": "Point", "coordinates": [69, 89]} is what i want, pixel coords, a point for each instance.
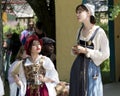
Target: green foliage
{"type": "Point", "coordinates": [105, 28]}
{"type": "Point", "coordinates": [105, 66]}
{"type": "Point", "coordinates": [17, 29]}
{"type": "Point", "coordinates": [102, 25]}
{"type": "Point", "coordinates": [105, 71]}
{"type": "Point", "coordinates": [114, 12]}
{"type": "Point", "coordinates": [106, 77]}
{"type": "Point", "coordinates": [6, 28]}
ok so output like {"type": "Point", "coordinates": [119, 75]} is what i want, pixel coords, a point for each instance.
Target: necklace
{"type": "Point", "coordinates": [86, 32]}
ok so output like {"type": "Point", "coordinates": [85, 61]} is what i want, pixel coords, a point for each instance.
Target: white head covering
{"type": "Point", "coordinates": [91, 8]}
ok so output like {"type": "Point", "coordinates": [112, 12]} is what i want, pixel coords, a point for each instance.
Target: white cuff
{"type": "Point", "coordinates": [88, 53]}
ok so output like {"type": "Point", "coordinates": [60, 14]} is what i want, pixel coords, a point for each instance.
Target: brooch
{"type": "Point", "coordinates": [89, 42]}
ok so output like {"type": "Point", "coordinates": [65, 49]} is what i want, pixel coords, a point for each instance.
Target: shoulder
{"type": "Point", "coordinates": [17, 61]}
{"type": "Point", "coordinates": [47, 63]}
{"type": "Point", "coordinates": [26, 61]}
{"type": "Point", "coordinates": [101, 34]}
{"type": "Point", "coordinates": [14, 63]}
{"type": "Point", "coordinates": [45, 58]}
{"type": "Point", "coordinates": [100, 30]}
{"type": "Point", "coordinates": [24, 31]}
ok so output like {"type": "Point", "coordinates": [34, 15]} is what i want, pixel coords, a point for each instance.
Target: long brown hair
{"type": "Point", "coordinates": [20, 53]}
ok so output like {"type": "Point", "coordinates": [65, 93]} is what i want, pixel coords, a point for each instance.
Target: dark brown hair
{"type": "Point", "coordinates": [20, 53]}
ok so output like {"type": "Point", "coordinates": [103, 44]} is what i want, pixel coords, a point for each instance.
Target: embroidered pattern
{"type": "Point", "coordinates": [34, 70]}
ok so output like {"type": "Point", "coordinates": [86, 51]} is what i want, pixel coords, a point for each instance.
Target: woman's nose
{"type": "Point", "coordinates": [77, 14]}
{"type": "Point", "coordinates": [38, 46]}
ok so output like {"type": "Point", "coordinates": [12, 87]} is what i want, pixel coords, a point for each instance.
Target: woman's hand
{"type": "Point", "coordinates": [18, 82]}
{"type": "Point", "coordinates": [45, 79]}
{"type": "Point", "coordinates": [41, 78]}
{"type": "Point", "coordinates": [77, 49]}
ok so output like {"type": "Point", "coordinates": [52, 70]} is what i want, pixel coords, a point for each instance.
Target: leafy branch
{"type": "Point", "coordinates": [114, 12]}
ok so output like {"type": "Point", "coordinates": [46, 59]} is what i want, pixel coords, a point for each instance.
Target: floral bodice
{"type": "Point", "coordinates": [34, 70]}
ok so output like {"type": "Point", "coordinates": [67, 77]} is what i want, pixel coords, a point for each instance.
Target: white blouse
{"type": "Point", "coordinates": [101, 50]}
{"type": "Point", "coordinates": [1, 87]}
{"type": "Point", "coordinates": [50, 73]}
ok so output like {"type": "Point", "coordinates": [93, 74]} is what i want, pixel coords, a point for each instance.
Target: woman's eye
{"type": "Point", "coordinates": [78, 12]}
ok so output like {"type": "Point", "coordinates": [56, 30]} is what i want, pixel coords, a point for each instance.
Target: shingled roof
{"type": "Point", "coordinates": [20, 8]}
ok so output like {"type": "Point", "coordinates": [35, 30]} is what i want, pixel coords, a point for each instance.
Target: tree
{"type": "Point", "coordinates": [114, 11]}
{"type": "Point", "coordinates": [45, 13]}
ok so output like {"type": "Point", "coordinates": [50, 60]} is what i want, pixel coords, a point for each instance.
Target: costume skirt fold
{"type": "Point", "coordinates": [85, 78]}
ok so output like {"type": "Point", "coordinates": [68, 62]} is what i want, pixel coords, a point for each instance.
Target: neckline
{"type": "Point", "coordinates": [89, 34]}
{"type": "Point", "coordinates": [34, 61]}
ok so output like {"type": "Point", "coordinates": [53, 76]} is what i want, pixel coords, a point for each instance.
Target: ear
{"type": "Point", "coordinates": [89, 14]}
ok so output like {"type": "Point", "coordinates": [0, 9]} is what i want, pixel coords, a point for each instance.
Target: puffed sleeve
{"type": "Point", "coordinates": [15, 69]}
{"type": "Point", "coordinates": [51, 72]}
{"type": "Point", "coordinates": [101, 50]}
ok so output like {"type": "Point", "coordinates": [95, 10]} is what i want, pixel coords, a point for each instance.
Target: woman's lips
{"type": "Point", "coordinates": [38, 48]}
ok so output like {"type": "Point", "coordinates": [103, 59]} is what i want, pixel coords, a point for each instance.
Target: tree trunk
{"type": "Point", "coordinates": [47, 16]}
{"type": "Point", "coordinates": [1, 41]}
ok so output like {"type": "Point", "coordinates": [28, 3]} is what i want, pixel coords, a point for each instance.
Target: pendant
{"type": "Point", "coordinates": [89, 42]}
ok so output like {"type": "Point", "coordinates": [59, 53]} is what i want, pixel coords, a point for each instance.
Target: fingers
{"type": "Point", "coordinates": [77, 49]}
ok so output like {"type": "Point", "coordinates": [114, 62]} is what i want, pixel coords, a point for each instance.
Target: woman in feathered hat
{"type": "Point", "coordinates": [38, 75]}
{"type": "Point", "coordinates": [92, 49]}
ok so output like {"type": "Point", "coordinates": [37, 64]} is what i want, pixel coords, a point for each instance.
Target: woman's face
{"type": "Point", "coordinates": [82, 15]}
{"type": "Point", "coordinates": [49, 48]}
{"type": "Point", "coordinates": [36, 47]}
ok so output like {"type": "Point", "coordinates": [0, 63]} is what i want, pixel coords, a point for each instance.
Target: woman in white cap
{"type": "Point", "coordinates": [92, 49]}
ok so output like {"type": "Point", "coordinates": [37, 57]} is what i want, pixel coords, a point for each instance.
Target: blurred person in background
{"type": "Point", "coordinates": [25, 33]}
{"type": "Point", "coordinates": [12, 84]}
{"type": "Point", "coordinates": [8, 52]}
{"type": "Point", "coordinates": [15, 46]}
{"type": "Point", "coordinates": [40, 29]}
{"type": "Point", "coordinates": [48, 49]}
